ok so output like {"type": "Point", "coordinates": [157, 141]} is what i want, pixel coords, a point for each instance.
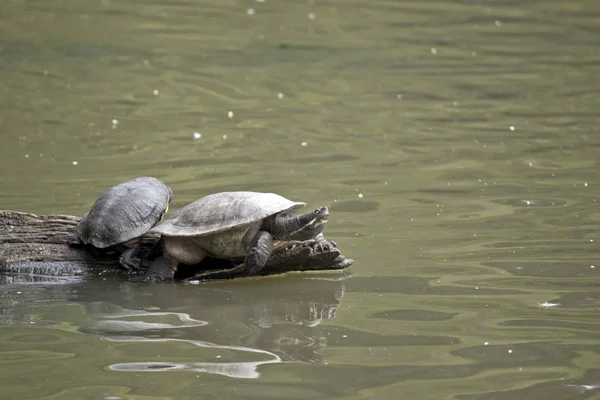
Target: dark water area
{"type": "Point", "coordinates": [456, 144]}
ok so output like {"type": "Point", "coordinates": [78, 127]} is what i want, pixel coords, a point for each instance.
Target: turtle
{"type": "Point", "coordinates": [228, 225]}
{"type": "Point", "coordinates": [121, 215]}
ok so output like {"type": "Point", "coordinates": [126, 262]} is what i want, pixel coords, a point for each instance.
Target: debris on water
{"type": "Point", "coordinates": [224, 136]}
{"type": "Point", "coordinates": [197, 135]}
{"type": "Point", "coordinates": [115, 121]}
{"type": "Point", "coordinates": [531, 164]}
{"type": "Point", "coordinates": [280, 95]}
{"type": "Point", "coordinates": [592, 266]}
{"type": "Point", "coordinates": [230, 114]}
{"type": "Point", "coordinates": [486, 343]}
{"type": "Point", "coordinates": [547, 304]}
{"type": "Point", "coordinates": [585, 388]}
{"type": "Point", "coordinates": [434, 51]}
{"type": "Point", "coordinates": [360, 195]}
{"type": "Point", "coordinates": [251, 11]}
{"type": "Point", "coordinates": [512, 128]}
{"type": "Point", "coordinates": [26, 155]}
{"type": "Point", "coordinates": [585, 184]}
{"type": "Point", "coordinates": [155, 92]}
{"type": "Point", "coordinates": [312, 16]}
{"type": "Point", "coordinates": [304, 144]}
{"type": "Point", "coordinates": [509, 351]}
{"type": "Point", "coordinates": [75, 162]}
{"type": "Point", "coordinates": [497, 22]}
{"type": "Point", "coordinates": [194, 282]}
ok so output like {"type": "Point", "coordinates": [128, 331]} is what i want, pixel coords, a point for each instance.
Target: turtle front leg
{"type": "Point", "coordinates": [323, 244]}
{"type": "Point", "coordinates": [259, 250]}
{"type": "Point", "coordinates": [130, 259]}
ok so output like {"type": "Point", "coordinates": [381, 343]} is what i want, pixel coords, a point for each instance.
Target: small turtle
{"type": "Point", "coordinates": [228, 225]}
{"type": "Point", "coordinates": [121, 215]}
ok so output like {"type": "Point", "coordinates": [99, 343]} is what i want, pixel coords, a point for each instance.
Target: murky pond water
{"type": "Point", "coordinates": [456, 143]}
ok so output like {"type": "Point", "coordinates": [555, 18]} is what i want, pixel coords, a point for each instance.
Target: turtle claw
{"type": "Point", "coordinates": [323, 246]}
{"type": "Point", "coordinates": [130, 260]}
{"type": "Point", "coordinates": [130, 263]}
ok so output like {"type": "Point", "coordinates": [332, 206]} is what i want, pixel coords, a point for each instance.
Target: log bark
{"type": "Point", "coordinates": [37, 245]}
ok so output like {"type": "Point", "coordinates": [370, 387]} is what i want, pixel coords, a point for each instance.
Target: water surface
{"type": "Point", "coordinates": [455, 142]}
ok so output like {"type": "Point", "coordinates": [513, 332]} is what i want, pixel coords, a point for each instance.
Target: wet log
{"type": "Point", "coordinates": [37, 245]}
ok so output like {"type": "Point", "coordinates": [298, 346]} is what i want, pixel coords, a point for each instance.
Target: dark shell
{"type": "Point", "coordinates": [221, 211]}
{"type": "Point", "coordinates": [125, 212]}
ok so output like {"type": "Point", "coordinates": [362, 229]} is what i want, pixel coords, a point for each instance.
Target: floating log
{"type": "Point", "coordinates": [37, 245]}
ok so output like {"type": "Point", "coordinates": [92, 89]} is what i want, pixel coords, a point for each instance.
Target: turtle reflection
{"type": "Point", "coordinates": [227, 328]}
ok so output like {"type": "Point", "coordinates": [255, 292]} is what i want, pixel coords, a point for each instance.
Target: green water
{"type": "Point", "coordinates": [455, 142]}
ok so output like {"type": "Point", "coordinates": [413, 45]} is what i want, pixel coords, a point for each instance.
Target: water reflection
{"type": "Point", "coordinates": [231, 369]}
{"type": "Point", "coordinates": [228, 329]}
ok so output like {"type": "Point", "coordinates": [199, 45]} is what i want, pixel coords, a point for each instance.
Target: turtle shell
{"type": "Point", "coordinates": [125, 212]}
{"type": "Point", "coordinates": [222, 211]}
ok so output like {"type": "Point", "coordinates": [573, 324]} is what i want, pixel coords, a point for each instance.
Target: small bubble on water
{"type": "Point", "coordinates": [399, 96]}
{"type": "Point", "coordinates": [224, 136]}
{"type": "Point", "coordinates": [473, 54]}
{"type": "Point", "coordinates": [509, 351]}
{"type": "Point", "coordinates": [592, 266]}
{"type": "Point", "coordinates": [75, 162]}
{"type": "Point", "coordinates": [486, 343]}
{"type": "Point", "coordinates": [26, 155]}
{"type": "Point", "coordinates": [512, 128]}
{"type": "Point", "coordinates": [45, 72]}
{"type": "Point", "coordinates": [531, 164]}
{"type": "Point", "coordinates": [497, 22]}
{"type": "Point", "coordinates": [115, 121]}
{"type": "Point", "coordinates": [344, 335]}
{"type": "Point", "coordinates": [280, 95]}
{"type": "Point", "coordinates": [585, 184]}
{"type": "Point", "coordinates": [251, 11]}
{"type": "Point", "coordinates": [434, 51]}
{"type": "Point", "coordinates": [230, 114]}
{"type": "Point", "coordinates": [360, 195]}
{"type": "Point", "coordinates": [260, 1]}
{"type": "Point", "coordinates": [197, 135]}
{"type": "Point", "coordinates": [312, 16]}
{"type": "Point", "coordinates": [304, 144]}
{"type": "Point", "coordinates": [155, 92]}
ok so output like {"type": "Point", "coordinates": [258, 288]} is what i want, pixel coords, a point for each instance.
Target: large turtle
{"type": "Point", "coordinates": [228, 225]}
{"type": "Point", "coordinates": [121, 215]}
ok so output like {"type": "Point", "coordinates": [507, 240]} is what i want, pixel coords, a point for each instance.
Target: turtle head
{"type": "Point", "coordinates": [313, 223]}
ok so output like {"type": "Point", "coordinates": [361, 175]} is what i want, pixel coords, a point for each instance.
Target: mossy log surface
{"type": "Point", "coordinates": [37, 245]}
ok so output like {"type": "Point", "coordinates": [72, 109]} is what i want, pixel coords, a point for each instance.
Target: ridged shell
{"type": "Point", "coordinates": [222, 211]}
{"type": "Point", "coordinates": [125, 212]}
